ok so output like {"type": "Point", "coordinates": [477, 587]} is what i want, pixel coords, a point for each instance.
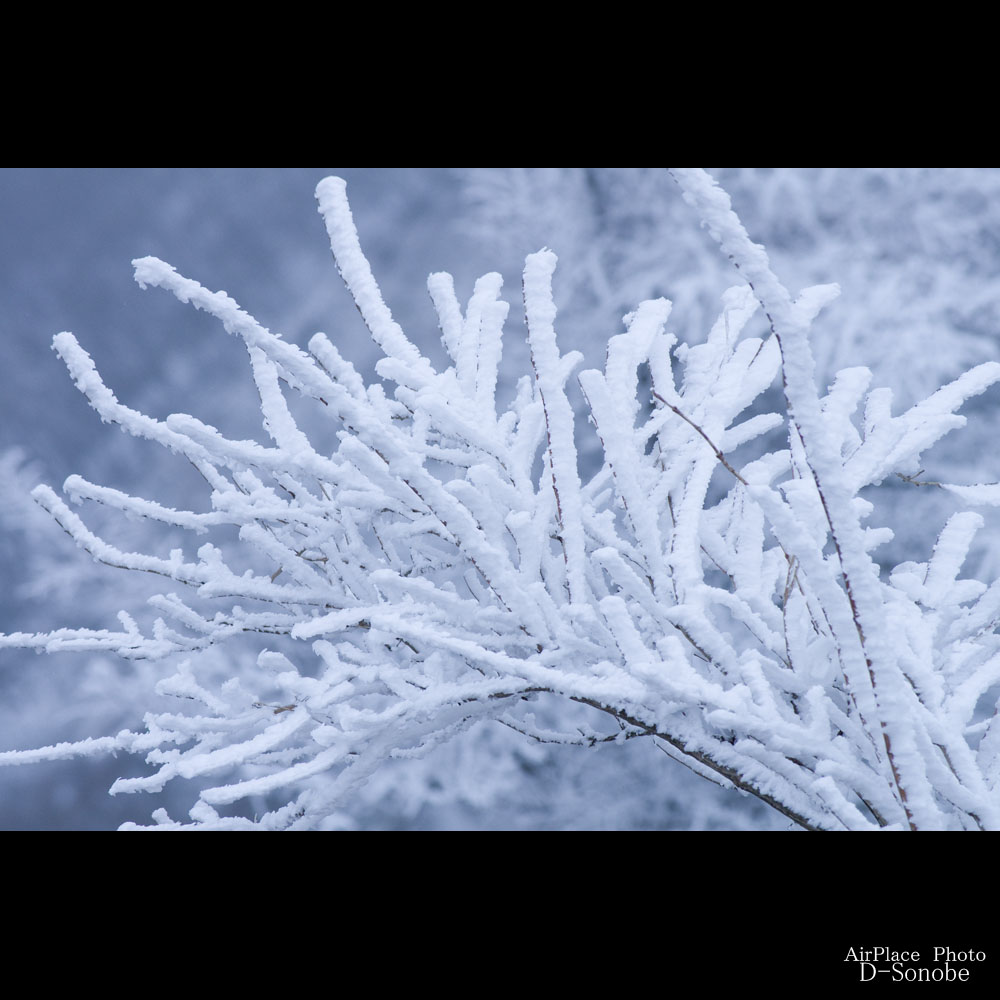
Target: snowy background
{"type": "Point", "coordinates": [916, 251]}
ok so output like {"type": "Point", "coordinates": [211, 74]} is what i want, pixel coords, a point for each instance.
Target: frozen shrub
{"type": "Point", "coordinates": [441, 561]}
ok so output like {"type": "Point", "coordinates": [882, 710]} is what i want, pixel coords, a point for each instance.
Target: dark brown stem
{"type": "Point", "coordinates": [718, 454]}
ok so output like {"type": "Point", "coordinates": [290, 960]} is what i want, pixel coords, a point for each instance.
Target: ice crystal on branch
{"type": "Point", "coordinates": [438, 561]}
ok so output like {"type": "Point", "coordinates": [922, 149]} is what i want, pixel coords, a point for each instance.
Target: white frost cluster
{"type": "Point", "coordinates": [431, 573]}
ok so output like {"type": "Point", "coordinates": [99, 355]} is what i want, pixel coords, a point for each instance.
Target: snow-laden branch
{"type": "Point", "coordinates": [711, 587]}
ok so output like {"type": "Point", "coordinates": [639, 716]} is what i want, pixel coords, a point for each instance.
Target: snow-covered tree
{"type": "Point", "coordinates": [434, 557]}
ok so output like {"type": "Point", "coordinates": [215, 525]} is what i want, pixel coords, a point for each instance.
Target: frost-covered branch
{"type": "Point", "coordinates": [416, 563]}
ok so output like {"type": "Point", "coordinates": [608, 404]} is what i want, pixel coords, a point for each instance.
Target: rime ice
{"type": "Point", "coordinates": [429, 573]}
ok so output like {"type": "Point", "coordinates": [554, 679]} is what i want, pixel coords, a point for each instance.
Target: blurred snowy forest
{"type": "Point", "coordinates": [916, 252]}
